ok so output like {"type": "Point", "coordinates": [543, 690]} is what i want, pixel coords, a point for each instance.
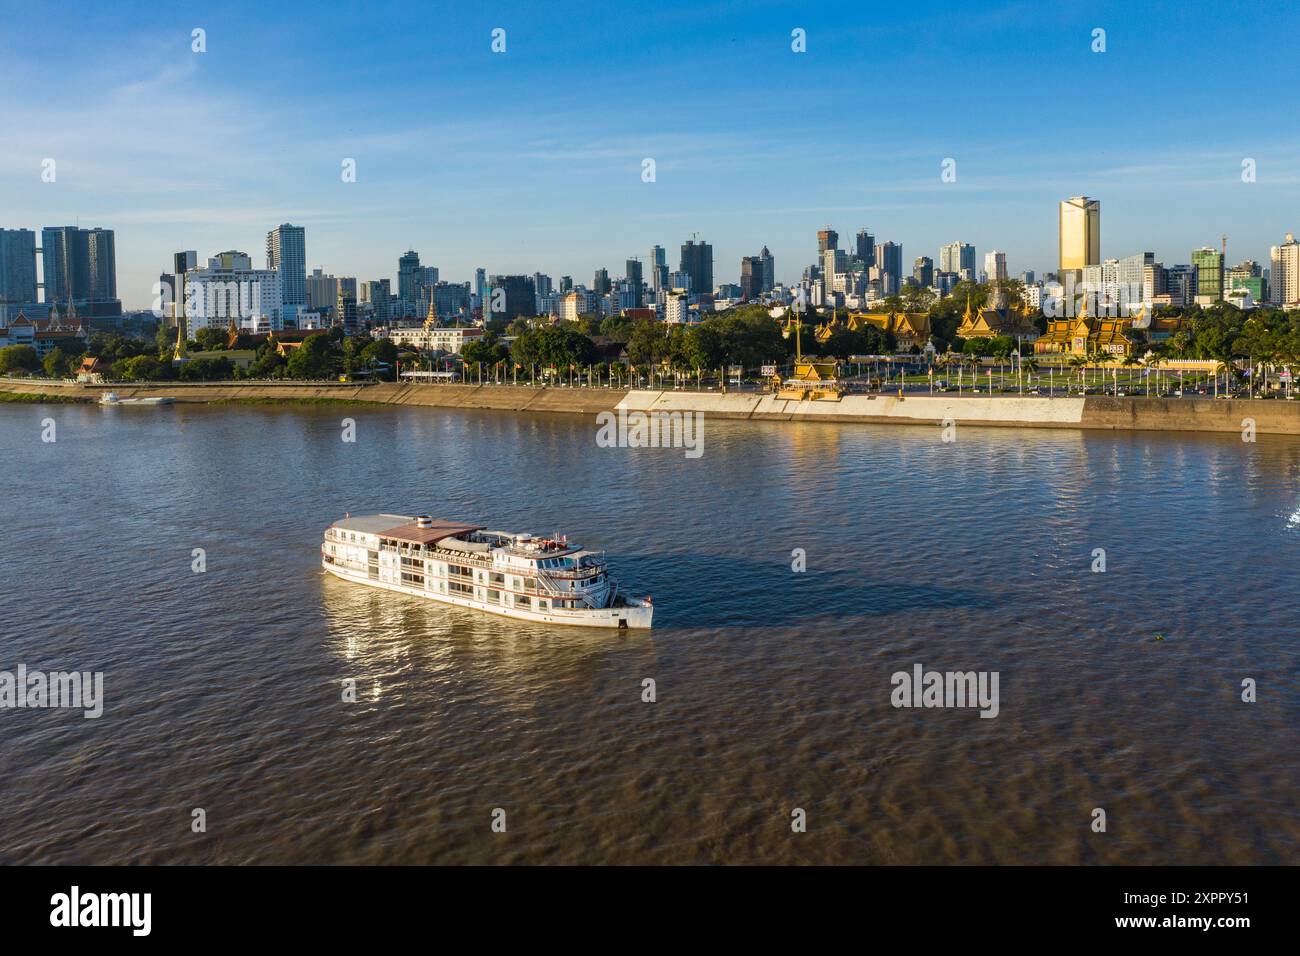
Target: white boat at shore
{"type": "Point", "coordinates": [548, 580]}
{"type": "Point", "coordinates": [111, 398]}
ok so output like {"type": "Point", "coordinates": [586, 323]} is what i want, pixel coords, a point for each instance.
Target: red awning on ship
{"type": "Point", "coordinates": [414, 534]}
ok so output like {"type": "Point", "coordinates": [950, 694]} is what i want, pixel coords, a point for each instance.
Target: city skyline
{"type": "Point", "coordinates": [526, 160]}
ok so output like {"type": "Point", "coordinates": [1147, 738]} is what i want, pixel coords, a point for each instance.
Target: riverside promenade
{"type": "Point", "coordinates": [1201, 414]}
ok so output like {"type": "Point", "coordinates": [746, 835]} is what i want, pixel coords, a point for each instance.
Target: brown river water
{"type": "Point", "coordinates": [222, 690]}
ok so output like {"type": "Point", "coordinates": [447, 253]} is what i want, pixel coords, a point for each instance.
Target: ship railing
{"type": "Point", "coordinates": [550, 587]}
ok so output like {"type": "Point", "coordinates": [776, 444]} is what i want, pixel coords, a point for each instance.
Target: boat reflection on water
{"type": "Point", "coordinates": [393, 645]}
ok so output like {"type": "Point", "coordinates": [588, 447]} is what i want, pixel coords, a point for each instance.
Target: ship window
{"type": "Point", "coordinates": [523, 600]}
{"type": "Point", "coordinates": [494, 596]}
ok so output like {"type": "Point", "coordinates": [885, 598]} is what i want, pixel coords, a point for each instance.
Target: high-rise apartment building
{"type": "Point", "coordinates": [1134, 282]}
{"type": "Point", "coordinates": [769, 271]}
{"type": "Point", "coordinates": [80, 268]}
{"type": "Point", "coordinates": [658, 268]}
{"type": "Point", "coordinates": [511, 297]}
{"type": "Point", "coordinates": [633, 274]}
{"type": "Point", "coordinates": [378, 292]}
{"type": "Point", "coordinates": [751, 277]}
{"type": "Point", "coordinates": [923, 271]}
{"type": "Point", "coordinates": [230, 293]}
{"type": "Point", "coordinates": [697, 260]}
{"type": "Point", "coordinates": [1079, 236]}
{"type": "Point", "coordinates": [959, 259]}
{"type": "Point", "coordinates": [865, 248]}
{"type": "Point", "coordinates": [995, 265]}
{"type": "Point", "coordinates": [17, 266]}
{"type": "Point", "coordinates": [286, 253]}
{"type": "Point", "coordinates": [827, 238]}
{"type": "Point", "coordinates": [677, 309]}
{"type": "Point", "coordinates": [346, 309]}
{"type": "Point", "coordinates": [408, 277]}
{"type": "Point", "coordinates": [322, 290]}
{"type": "Point", "coordinates": [1180, 284]}
{"type": "Point", "coordinates": [833, 262]}
{"type": "Point", "coordinates": [889, 260]}
{"type": "Point", "coordinates": [1284, 273]}
{"type": "Point", "coordinates": [1208, 263]}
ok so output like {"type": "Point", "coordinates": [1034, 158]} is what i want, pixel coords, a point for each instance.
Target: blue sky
{"type": "Point", "coordinates": [531, 160]}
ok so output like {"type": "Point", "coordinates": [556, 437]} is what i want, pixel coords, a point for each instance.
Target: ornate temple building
{"type": "Point", "coordinates": [991, 323]}
{"type": "Point", "coordinates": [910, 329]}
{"type": "Point", "coordinates": [1084, 335]}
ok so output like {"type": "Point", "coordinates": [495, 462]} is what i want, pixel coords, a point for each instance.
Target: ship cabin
{"type": "Point", "coordinates": [455, 559]}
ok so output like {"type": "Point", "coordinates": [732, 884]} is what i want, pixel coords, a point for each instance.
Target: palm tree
{"type": "Point", "coordinates": [1022, 364]}
{"type": "Point", "coordinates": [1130, 362]}
{"type": "Point", "coordinates": [1079, 363]}
{"type": "Point", "coordinates": [1152, 362]}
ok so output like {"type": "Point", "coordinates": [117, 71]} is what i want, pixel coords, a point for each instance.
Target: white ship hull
{"type": "Point", "coordinates": [635, 614]}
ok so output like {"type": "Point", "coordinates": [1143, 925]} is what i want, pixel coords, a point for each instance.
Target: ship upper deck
{"type": "Point", "coordinates": [472, 540]}
{"type": "Point", "coordinates": [370, 524]}
{"type": "Point", "coordinates": [404, 528]}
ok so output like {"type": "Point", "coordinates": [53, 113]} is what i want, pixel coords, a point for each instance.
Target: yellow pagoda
{"type": "Point", "coordinates": [908, 328]}
{"type": "Point", "coordinates": [1085, 335]}
{"type": "Point", "coordinates": [991, 323]}
{"type": "Point", "coordinates": [814, 379]}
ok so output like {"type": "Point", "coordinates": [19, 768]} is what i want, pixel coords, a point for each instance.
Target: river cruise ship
{"type": "Point", "coordinates": [549, 580]}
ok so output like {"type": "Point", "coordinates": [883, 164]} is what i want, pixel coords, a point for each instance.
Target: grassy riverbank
{"type": "Point", "coordinates": [291, 400]}
{"type": "Point", "coordinates": [40, 398]}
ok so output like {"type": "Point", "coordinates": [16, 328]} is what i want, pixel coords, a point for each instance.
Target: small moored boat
{"type": "Point", "coordinates": [111, 398]}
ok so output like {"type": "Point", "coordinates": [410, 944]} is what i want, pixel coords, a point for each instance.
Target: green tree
{"type": "Point", "coordinates": [917, 298]}
{"type": "Point", "coordinates": [558, 347]}
{"type": "Point", "coordinates": [617, 327]}
{"type": "Point", "coordinates": [380, 351]}
{"type": "Point", "coordinates": [57, 364]}
{"type": "Point", "coordinates": [18, 358]}
{"type": "Point", "coordinates": [268, 364]}
{"type": "Point", "coordinates": [647, 342]}
{"type": "Point", "coordinates": [207, 369]}
{"type": "Point", "coordinates": [141, 368]}
{"type": "Point", "coordinates": [314, 359]}
{"type": "Point", "coordinates": [487, 350]}
{"type": "Point", "coordinates": [211, 339]}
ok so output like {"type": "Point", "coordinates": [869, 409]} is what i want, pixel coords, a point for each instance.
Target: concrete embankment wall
{"type": "Point", "coordinates": [916, 409]}
{"type": "Point", "coordinates": [1275, 417]}
{"type": "Point", "coordinates": [1091, 412]}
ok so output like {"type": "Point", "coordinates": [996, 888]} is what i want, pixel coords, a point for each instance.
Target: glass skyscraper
{"type": "Point", "coordinates": [1208, 263]}
{"type": "Point", "coordinates": [286, 253]}
{"type": "Point", "coordinates": [80, 268]}
{"type": "Point", "coordinates": [1080, 235]}
{"type": "Point", "coordinates": [17, 266]}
